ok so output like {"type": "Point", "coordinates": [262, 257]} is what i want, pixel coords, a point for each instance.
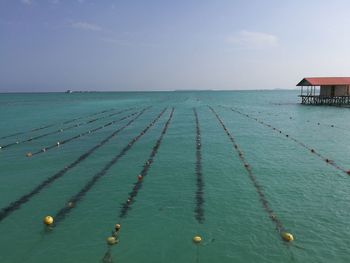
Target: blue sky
{"type": "Point", "coordinates": [55, 45]}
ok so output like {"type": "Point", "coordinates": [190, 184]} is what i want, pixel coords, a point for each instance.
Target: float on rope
{"type": "Point", "coordinates": [48, 220]}
{"type": "Point", "coordinates": [197, 239]}
{"type": "Point", "coordinates": [117, 227]}
{"type": "Point", "coordinates": [111, 241]}
{"type": "Point", "coordinates": [287, 236]}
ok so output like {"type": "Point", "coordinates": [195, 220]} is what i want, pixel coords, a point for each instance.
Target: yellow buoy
{"type": "Point", "coordinates": [29, 154]}
{"type": "Point", "coordinates": [287, 236]}
{"type": "Point", "coordinates": [111, 240]}
{"type": "Point", "coordinates": [197, 239]}
{"type": "Point", "coordinates": [117, 227]}
{"type": "Point", "coordinates": [48, 220]}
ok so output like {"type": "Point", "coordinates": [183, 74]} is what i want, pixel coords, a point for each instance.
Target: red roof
{"type": "Point", "coordinates": [324, 81]}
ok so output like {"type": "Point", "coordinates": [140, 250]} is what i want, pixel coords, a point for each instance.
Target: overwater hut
{"type": "Point", "coordinates": [325, 90]}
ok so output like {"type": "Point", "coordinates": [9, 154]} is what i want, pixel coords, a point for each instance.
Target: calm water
{"type": "Point", "coordinates": [307, 195]}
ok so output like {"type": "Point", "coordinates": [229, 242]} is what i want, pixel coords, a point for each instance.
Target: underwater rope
{"type": "Point", "coordinates": [199, 211]}
{"type": "Point", "coordinates": [60, 215]}
{"type": "Point", "coordinates": [52, 132]}
{"type": "Point", "coordinates": [137, 186]}
{"type": "Point", "coordinates": [45, 149]}
{"type": "Point", "coordinates": [278, 224]}
{"type": "Point", "coordinates": [94, 114]}
{"type": "Point", "coordinates": [300, 143]}
{"type": "Point", "coordinates": [51, 125]}
{"type": "Point", "coordinates": [6, 211]}
{"type": "Point", "coordinates": [293, 118]}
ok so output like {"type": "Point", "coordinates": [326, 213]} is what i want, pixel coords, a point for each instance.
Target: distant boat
{"type": "Point", "coordinates": [69, 91]}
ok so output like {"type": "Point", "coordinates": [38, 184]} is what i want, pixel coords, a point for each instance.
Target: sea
{"type": "Point", "coordinates": [236, 169]}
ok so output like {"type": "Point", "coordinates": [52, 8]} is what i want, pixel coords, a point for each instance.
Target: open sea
{"type": "Point", "coordinates": [237, 168]}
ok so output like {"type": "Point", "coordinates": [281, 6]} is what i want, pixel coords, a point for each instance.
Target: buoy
{"type": "Point", "coordinates": [139, 177]}
{"type": "Point", "coordinates": [287, 236]}
{"type": "Point", "coordinates": [48, 220]}
{"type": "Point", "coordinates": [58, 143]}
{"type": "Point", "coordinates": [70, 204]}
{"type": "Point", "coordinates": [43, 149]}
{"type": "Point", "coordinates": [348, 172]}
{"type": "Point", "coordinates": [117, 227]}
{"type": "Point", "coordinates": [0, 147]}
{"type": "Point", "coordinates": [29, 154]}
{"type": "Point", "coordinates": [312, 150]}
{"type": "Point", "coordinates": [197, 239]}
{"type": "Point", "coordinates": [111, 241]}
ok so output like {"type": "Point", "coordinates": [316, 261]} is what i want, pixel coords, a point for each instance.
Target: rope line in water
{"type": "Point", "coordinates": [54, 132]}
{"type": "Point", "coordinates": [137, 186]}
{"type": "Point", "coordinates": [278, 224]}
{"type": "Point", "coordinates": [15, 205]}
{"type": "Point", "coordinates": [293, 118]}
{"type": "Point", "coordinates": [107, 258]}
{"type": "Point", "coordinates": [94, 114]}
{"type": "Point", "coordinates": [199, 211]}
{"type": "Point", "coordinates": [82, 134]}
{"type": "Point", "coordinates": [298, 142]}
{"type": "Point", "coordinates": [60, 215]}
{"type": "Point", "coordinates": [51, 125]}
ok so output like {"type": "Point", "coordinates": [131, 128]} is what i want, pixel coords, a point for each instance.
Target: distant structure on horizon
{"type": "Point", "coordinates": [331, 91]}
{"type": "Point", "coordinates": [69, 91]}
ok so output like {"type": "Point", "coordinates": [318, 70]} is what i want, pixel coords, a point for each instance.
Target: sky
{"type": "Point", "coordinates": [106, 45]}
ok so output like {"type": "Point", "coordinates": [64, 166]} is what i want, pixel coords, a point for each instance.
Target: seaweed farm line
{"type": "Point", "coordinates": [173, 177]}
{"type": "Point", "coordinates": [54, 124]}
{"type": "Point", "coordinates": [16, 204]}
{"type": "Point", "coordinates": [312, 150]}
{"type": "Point", "coordinates": [87, 187]}
{"type": "Point", "coordinates": [62, 129]}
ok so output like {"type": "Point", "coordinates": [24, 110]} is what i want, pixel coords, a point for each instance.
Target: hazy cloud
{"type": "Point", "coordinates": [86, 26]}
{"type": "Point", "coordinates": [26, 2]}
{"type": "Point", "coordinates": [253, 40]}
{"type": "Point", "coordinates": [115, 41]}
{"type": "Point", "coordinates": [121, 42]}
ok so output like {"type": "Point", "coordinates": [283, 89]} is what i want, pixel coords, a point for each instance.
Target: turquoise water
{"type": "Point", "coordinates": [309, 196]}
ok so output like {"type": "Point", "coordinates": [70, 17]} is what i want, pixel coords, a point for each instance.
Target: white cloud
{"type": "Point", "coordinates": [86, 26]}
{"type": "Point", "coordinates": [26, 2]}
{"type": "Point", "coordinates": [253, 40]}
